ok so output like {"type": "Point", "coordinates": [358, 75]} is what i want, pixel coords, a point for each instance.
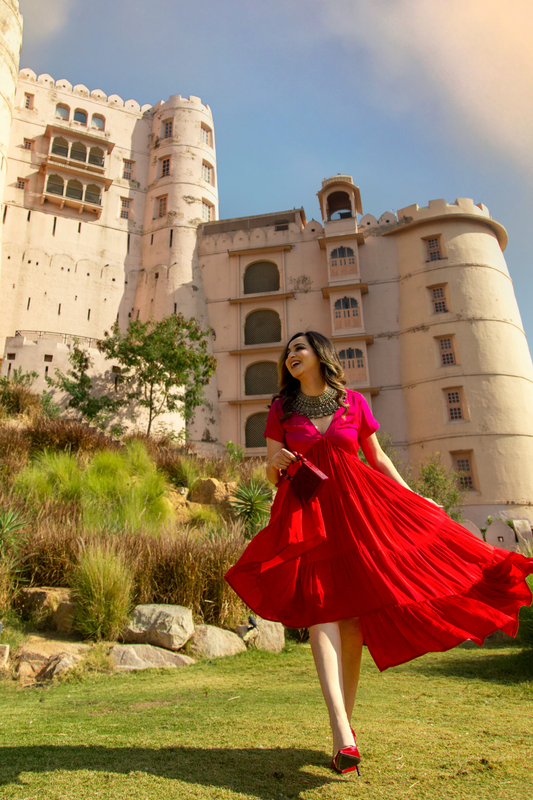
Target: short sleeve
{"type": "Point", "coordinates": [368, 424]}
{"type": "Point", "coordinates": [274, 428]}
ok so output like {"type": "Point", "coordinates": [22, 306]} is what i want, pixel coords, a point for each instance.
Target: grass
{"type": "Point", "coordinates": [451, 726]}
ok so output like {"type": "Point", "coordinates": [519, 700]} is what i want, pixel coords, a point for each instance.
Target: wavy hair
{"type": "Point", "coordinates": [330, 369]}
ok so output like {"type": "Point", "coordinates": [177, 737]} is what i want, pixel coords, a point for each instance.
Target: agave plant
{"type": "Point", "coordinates": [10, 523]}
{"type": "Point", "coordinates": [251, 504]}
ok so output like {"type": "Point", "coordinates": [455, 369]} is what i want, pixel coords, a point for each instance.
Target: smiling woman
{"type": "Point", "coordinates": [367, 560]}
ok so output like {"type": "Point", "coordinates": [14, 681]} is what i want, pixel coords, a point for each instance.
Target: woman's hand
{"type": "Point", "coordinates": [278, 457]}
{"type": "Point", "coordinates": [281, 459]}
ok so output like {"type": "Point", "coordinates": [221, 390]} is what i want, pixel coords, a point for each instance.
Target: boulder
{"type": "Point", "coordinates": [63, 617]}
{"type": "Point", "coordinates": [208, 491]}
{"type": "Point", "coordinates": [56, 665]}
{"type": "Point", "coordinates": [127, 657]}
{"type": "Point", "coordinates": [212, 642]}
{"type": "Point", "coordinates": [265, 635]}
{"type": "Point", "coordinates": [161, 625]}
{"type": "Point", "coordinates": [40, 603]}
{"type": "Point", "coordinates": [36, 651]}
{"type": "Point", "coordinates": [4, 655]}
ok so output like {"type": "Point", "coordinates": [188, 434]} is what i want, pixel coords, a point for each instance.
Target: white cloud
{"type": "Point", "coordinates": [471, 60]}
{"type": "Point", "coordinates": [44, 18]}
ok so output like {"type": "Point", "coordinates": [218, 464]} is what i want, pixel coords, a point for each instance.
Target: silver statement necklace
{"type": "Point", "coordinates": [314, 407]}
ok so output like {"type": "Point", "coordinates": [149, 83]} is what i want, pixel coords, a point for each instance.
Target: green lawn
{"type": "Point", "coordinates": [452, 725]}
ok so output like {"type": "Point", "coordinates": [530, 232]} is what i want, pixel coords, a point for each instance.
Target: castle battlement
{"type": "Point", "coordinates": [113, 100]}
{"type": "Point", "coordinates": [438, 208]}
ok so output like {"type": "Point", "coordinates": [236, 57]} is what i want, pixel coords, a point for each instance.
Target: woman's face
{"type": "Point", "coordinates": [301, 358]}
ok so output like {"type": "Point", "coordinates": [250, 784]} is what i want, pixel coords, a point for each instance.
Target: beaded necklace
{"type": "Point", "coordinates": [314, 407]}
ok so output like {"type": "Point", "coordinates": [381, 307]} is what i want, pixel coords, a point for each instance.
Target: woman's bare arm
{"type": "Point", "coordinates": [379, 460]}
{"type": "Point", "coordinates": [278, 458]}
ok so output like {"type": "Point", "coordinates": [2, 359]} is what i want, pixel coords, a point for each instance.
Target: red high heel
{"type": "Point", "coordinates": [346, 760]}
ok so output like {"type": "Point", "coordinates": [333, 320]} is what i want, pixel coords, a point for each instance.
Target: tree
{"type": "Point", "coordinates": [442, 485]}
{"type": "Point", "coordinates": [79, 385]}
{"type": "Point", "coordinates": [164, 365]}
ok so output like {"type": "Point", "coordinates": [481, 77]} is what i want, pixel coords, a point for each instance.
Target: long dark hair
{"type": "Point", "coordinates": [330, 369]}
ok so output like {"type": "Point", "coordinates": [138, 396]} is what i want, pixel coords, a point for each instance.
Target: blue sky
{"type": "Point", "coordinates": [416, 99]}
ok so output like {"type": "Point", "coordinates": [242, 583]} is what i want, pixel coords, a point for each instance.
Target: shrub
{"type": "Point", "coordinates": [525, 630]}
{"type": "Point", "coordinates": [251, 503]}
{"type": "Point", "coordinates": [68, 435]}
{"type": "Point", "coordinates": [16, 396]}
{"type": "Point", "coordinates": [102, 590]}
{"type": "Point", "coordinates": [11, 546]}
{"type": "Point", "coordinates": [441, 485]}
{"type": "Point", "coordinates": [113, 491]}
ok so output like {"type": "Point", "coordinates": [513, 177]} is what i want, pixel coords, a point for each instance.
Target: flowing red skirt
{"type": "Point", "coordinates": [368, 548]}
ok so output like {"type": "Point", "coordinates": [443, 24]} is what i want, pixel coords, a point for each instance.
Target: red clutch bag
{"type": "Point", "coordinates": [308, 480]}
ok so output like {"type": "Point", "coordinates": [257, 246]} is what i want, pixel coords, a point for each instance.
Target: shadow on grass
{"type": "Point", "coordinates": [496, 666]}
{"type": "Point", "coordinates": [257, 772]}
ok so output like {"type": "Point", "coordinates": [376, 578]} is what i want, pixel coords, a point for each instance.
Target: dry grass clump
{"type": "Point", "coordinates": [67, 435]}
{"type": "Point", "coordinates": [14, 450]}
{"type": "Point", "coordinates": [102, 590]}
{"type": "Point", "coordinates": [185, 567]}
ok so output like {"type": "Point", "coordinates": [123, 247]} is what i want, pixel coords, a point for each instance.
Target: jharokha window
{"type": "Point", "coordinates": [353, 363]}
{"type": "Point", "coordinates": [342, 261]}
{"type": "Point", "coordinates": [346, 313]}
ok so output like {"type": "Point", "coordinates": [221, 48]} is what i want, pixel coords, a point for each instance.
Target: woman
{"type": "Point", "coordinates": [368, 561]}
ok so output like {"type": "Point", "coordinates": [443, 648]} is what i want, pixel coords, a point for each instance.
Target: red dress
{"type": "Point", "coordinates": [367, 547]}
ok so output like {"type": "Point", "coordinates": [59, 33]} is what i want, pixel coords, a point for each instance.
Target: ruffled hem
{"type": "Point", "coordinates": [370, 548]}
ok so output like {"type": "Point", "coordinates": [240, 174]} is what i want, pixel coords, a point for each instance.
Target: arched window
{"type": "Point", "coordinates": [96, 156]}
{"type": "Point", "coordinates": [93, 194]}
{"type": "Point", "coordinates": [254, 430]}
{"type": "Point", "coordinates": [353, 363]}
{"type": "Point", "coordinates": [339, 206]}
{"type": "Point", "coordinates": [262, 327]}
{"type": "Point", "coordinates": [60, 147]}
{"type": "Point", "coordinates": [80, 116]}
{"type": "Point", "coordinates": [261, 378]}
{"type": "Point", "coordinates": [74, 190]}
{"type": "Point", "coordinates": [98, 122]}
{"type": "Point", "coordinates": [78, 151]}
{"type": "Point", "coordinates": [346, 313]}
{"type": "Point", "coordinates": [63, 112]}
{"type": "Point", "coordinates": [55, 184]}
{"type": "Point", "coordinates": [342, 261]}
{"type": "Point", "coordinates": [263, 276]}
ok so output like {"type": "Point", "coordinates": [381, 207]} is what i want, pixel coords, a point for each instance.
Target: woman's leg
{"type": "Point", "coordinates": [326, 645]}
{"type": "Point", "coordinates": [352, 649]}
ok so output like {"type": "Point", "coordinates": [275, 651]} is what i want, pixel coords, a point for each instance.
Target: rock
{"type": "Point", "coordinates": [266, 635]}
{"type": "Point", "coordinates": [212, 642]}
{"type": "Point", "coordinates": [161, 625]}
{"type": "Point", "coordinates": [4, 655]}
{"type": "Point", "coordinates": [63, 617]}
{"type": "Point", "coordinates": [36, 651]}
{"type": "Point", "coordinates": [127, 657]}
{"type": "Point", "coordinates": [56, 665]}
{"type": "Point", "coordinates": [40, 603]}
{"type": "Point", "coordinates": [208, 491]}
{"type": "Point", "coordinates": [177, 499]}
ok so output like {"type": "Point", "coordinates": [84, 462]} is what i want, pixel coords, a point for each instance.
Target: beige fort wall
{"type": "Point", "coordinates": [74, 268]}
{"type": "Point", "coordinates": [493, 370]}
